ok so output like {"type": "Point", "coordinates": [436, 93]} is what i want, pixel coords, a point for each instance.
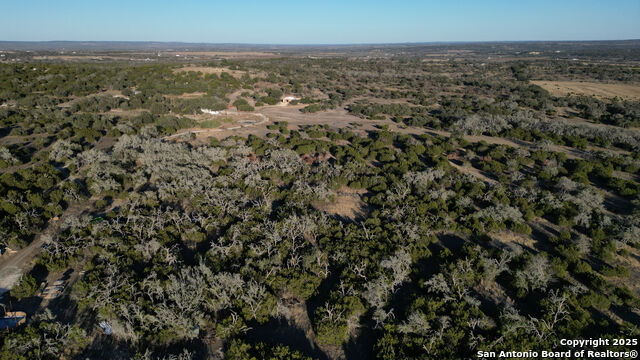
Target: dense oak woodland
{"type": "Point", "coordinates": [194, 251]}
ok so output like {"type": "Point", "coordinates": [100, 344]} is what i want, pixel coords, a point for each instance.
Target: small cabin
{"type": "Point", "coordinates": [211, 112]}
{"type": "Point", "coordinates": [288, 99]}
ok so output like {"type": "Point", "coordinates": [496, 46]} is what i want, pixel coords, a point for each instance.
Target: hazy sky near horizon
{"type": "Point", "coordinates": [319, 22]}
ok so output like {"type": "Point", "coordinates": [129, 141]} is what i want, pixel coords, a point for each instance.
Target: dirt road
{"type": "Point", "coordinates": [340, 118]}
{"type": "Point", "coordinates": [13, 265]}
{"type": "Point", "coordinates": [211, 132]}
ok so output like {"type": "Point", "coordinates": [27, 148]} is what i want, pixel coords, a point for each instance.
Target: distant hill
{"type": "Point", "coordinates": [118, 45]}
{"type": "Point", "coordinates": [618, 50]}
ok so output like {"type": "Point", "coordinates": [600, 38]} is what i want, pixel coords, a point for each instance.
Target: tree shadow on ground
{"type": "Point", "coordinates": [281, 331]}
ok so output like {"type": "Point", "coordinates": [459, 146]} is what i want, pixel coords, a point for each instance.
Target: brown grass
{"type": "Point", "coordinates": [347, 204]}
{"type": "Point", "coordinates": [601, 90]}
{"type": "Point", "coordinates": [131, 112]}
{"type": "Point", "coordinates": [510, 238]}
{"type": "Point", "coordinates": [192, 95]}
{"type": "Point", "coordinates": [473, 171]}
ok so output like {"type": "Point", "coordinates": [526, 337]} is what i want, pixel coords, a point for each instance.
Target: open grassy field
{"type": "Point", "coordinates": [600, 90]}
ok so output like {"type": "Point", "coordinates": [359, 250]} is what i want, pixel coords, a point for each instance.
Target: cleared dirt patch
{"type": "Point", "coordinates": [192, 95]}
{"type": "Point", "coordinates": [340, 118]}
{"type": "Point", "coordinates": [230, 117]}
{"type": "Point", "coordinates": [126, 113]}
{"type": "Point", "coordinates": [473, 171]}
{"type": "Point", "coordinates": [562, 88]}
{"type": "Point", "coordinates": [221, 126]}
{"type": "Point", "coordinates": [347, 204]}
{"type": "Point", "coordinates": [114, 93]}
{"type": "Point", "coordinates": [512, 239]}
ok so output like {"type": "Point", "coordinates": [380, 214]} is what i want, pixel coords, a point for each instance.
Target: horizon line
{"type": "Point", "coordinates": [320, 44]}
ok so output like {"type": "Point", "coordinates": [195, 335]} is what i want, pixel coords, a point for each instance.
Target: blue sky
{"type": "Point", "coordinates": [319, 22]}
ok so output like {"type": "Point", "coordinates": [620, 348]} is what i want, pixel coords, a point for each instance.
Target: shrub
{"type": "Point", "coordinates": [269, 100]}
{"type": "Point", "coordinates": [306, 149]}
{"type": "Point", "coordinates": [245, 108]}
{"type": "Point", "coordinates": [240, 102]}
{"type": "Point", "coordinates": [26, 287]}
